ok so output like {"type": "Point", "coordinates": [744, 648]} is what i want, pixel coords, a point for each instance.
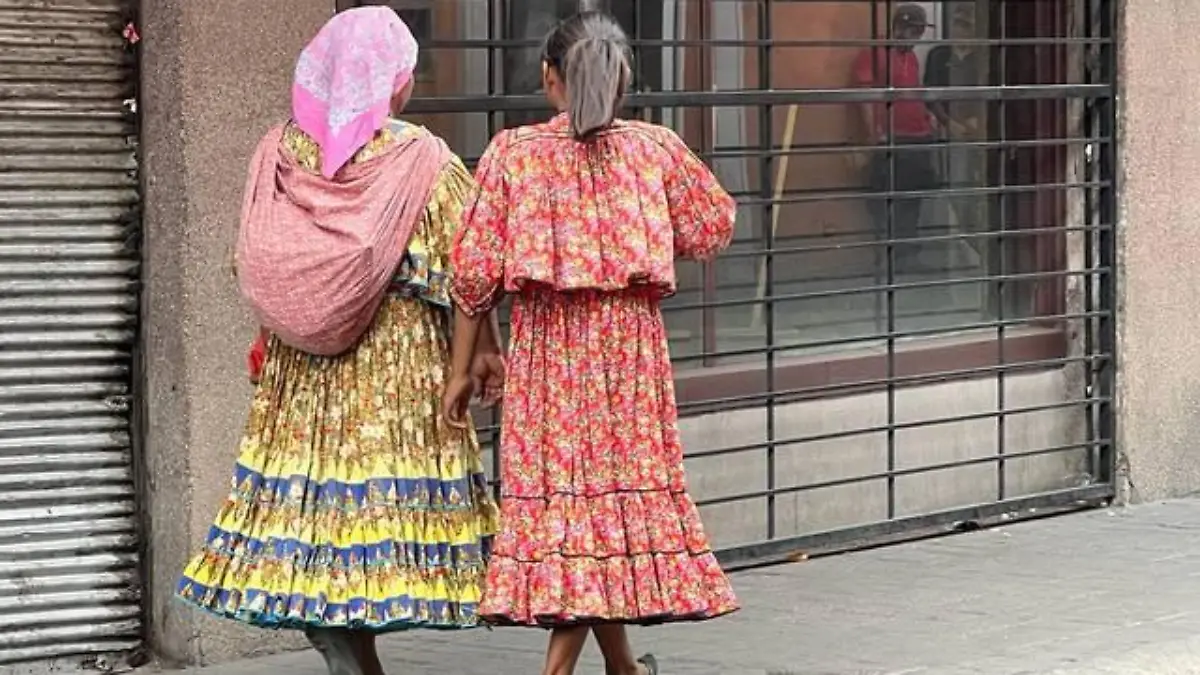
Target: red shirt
{"type": "Point", "coordinates": [910, 119]}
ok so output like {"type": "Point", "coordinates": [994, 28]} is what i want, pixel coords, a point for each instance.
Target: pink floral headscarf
{"type": "Point", "coordinates": [346, 78]}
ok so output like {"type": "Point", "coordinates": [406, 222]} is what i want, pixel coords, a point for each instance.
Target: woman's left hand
{"type": "Point", "coordinates": [456, 400]}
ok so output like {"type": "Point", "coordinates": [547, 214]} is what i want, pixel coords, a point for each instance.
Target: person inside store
{"type": "Point", "coordinates": [961, 122]}
{"type": "Point", "coordinates": [355, 509]}
{"type": "Point", "coordinates": [580, 219]}
{"type": "Point", "coordinates": [906, 122]}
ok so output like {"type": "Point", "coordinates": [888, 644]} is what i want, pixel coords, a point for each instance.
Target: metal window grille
{"type": "Point", "coordinates": [821, 300]}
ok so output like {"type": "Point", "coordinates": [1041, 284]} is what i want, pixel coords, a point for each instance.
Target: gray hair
{"type": "Point", "coordinates": [591, 53]}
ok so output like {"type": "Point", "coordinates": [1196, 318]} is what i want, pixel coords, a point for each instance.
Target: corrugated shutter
{"type": "Point", "coordinates": [68, 310]}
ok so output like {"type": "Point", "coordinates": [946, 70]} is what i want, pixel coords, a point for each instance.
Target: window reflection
{"type": "Point", "coordinates": [418, 16]}
{"type": "Point", "coordinates": [901, 218]}
{"type": "Point", "coordinates": [929, 213]}
{"type": "Point", "coordinates": [530, 21]}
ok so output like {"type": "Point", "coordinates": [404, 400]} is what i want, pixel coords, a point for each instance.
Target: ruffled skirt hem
{"type": "Point", "coordinates": [640, 589]}
{"type": "Point", "coordinates": [262, 610]}
{"type": "Point", "coordinates": [548, 622]}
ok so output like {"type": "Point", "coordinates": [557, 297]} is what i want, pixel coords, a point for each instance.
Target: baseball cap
{"type": "Point", "coordinates": [911, 15]}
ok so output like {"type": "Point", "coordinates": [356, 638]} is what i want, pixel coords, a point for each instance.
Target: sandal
{"type": "Point", "coordinates": [651, 664]}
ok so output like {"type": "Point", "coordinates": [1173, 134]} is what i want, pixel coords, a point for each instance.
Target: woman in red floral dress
{"type": "Point", "coordinates": [580, 219]}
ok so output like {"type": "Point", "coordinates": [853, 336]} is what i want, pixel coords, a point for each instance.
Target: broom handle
{"type": "Point", "coordinates": [789, 132]}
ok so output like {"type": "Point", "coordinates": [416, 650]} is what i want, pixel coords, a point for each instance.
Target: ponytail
{"type": "Point", "coordinates": [595, 70]}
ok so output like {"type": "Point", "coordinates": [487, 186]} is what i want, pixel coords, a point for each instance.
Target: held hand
{"type": "Point", "coordinates": [456, 400]}
{"type": "Point", "coordinates": [487, 371]}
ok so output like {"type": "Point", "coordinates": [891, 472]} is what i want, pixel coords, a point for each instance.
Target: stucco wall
{"type": "Point", "coordinates": [1159, 249]}
{"type": "Point", "coordinates": [215, 74]}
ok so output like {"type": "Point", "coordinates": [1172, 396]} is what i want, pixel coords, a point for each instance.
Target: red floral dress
{"type": "Point", "coordinates": [596, 522]}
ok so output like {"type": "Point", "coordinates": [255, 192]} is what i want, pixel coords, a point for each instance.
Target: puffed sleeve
{"type": "Point", "coordinates": [477, 257]}
{"type": "Point", "coordinates": [702, 212]}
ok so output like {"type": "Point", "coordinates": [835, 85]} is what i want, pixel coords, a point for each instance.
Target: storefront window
{"type": "Point", "coordinates": [909, 179]}
{"type": "Point", "coordinates": [418, 15]}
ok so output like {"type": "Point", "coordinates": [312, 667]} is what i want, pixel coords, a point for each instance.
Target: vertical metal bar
{"type": "Point", "coordinates": [878, 254]}
{"type": "Point", "coordinates": [1002, 245]}
{"type": "Point", "coordinates": [709, 288]}
{"type": "Point", "coordinates": [1109, 167]}
{"type": "Point", "coordinates": [678, 58]}
{"type": "Point", "coordinates": [890, 270]}
{"type": "Point", "coordinates": [766, 131]}
{"type": "Point", "coordinates": [637, 51]}
{"type": "Point", "coordinates": [708, 314]}
{"type": "Point", "coordinates": [1091, 240]}
{"type": "Point", "coordinates": [496, 19]}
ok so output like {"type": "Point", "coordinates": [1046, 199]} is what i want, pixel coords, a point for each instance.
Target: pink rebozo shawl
{"type": "Point", "coordinates": [316, 252]}
{"type": "Point", "coordinates": [346, 78]}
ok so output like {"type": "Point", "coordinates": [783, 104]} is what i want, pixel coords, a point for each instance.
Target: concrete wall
{"type": "Point", "coordinates": [1159, 249]}
{"type": "Point", "coordinates": [215, 75]}
{"type": "Point", "coordinates": [866, 453]}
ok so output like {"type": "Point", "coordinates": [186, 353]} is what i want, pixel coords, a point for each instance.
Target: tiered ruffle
{"type": "Point", "coordinates": [352, 505]}
{"type": "Point", "coordinates": [632, 557]}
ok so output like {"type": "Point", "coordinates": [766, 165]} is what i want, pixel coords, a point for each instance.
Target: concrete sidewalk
{"type": "Point", "coordinates": [1112, 591]}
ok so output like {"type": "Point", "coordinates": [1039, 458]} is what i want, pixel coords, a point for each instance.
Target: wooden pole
{"type": "Point", "coordinates": [789, 132]}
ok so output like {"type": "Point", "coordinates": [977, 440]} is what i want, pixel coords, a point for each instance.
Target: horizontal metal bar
{"type": "Point", "coordinates": [109, 561]}
{"type": "Point", "coordinates": [12, 622]}
{"type": "Point", "coordinates": [939, 231]}
{"type": "Point", "coordinates": [57, 600]}
{"type": "Point", "coordinates": [490, 431]}
{"type": "Point", "coordinates": [897, 473]}
{"type": "Point", "coordinates": [97, 642]}
{"type": "Point", "coordinates": [46, 628]}
{"type": "Point", "coordinates": [944, 375]}
{"type": "Point", "coordinates": [772, 97]}
{"type": "Point", "coordinates": [899, 426]}
{"type": "Point", "coordinates": [1013, 231]}
{"type": "Point", "coordinates": [727, 152]}
{"type": "Point", "coordinates": [848, 388]}
{"type": "Point", "coordinates": [905, 286]}
{"type": "Point", "coordinates": [982, 328]}
{"type": "Point", "coordinates": [786, 549]}
{"type": "Point", "coordinates": [810, 196]}
{"type": "Point", "coordinates": [500, 45]}
{"type": "Point", "coordinates": [31, 551]}
{"type": "Point", "coordinates": [64, 511]}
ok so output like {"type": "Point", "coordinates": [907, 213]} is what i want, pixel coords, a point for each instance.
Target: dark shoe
{"type": "Point", "coordinates": [651, 664]}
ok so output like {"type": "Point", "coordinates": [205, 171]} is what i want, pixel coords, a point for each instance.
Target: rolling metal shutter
{"type": "Point", "coordinates": [68, 310]}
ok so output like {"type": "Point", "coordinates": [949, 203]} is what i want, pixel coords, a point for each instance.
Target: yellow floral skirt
{"type": "Point", "coordinates": [352, 504]}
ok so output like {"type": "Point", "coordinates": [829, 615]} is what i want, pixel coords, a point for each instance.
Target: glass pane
{"type": "Point", "coordinates": [904, 217]}
{"type": "Point", "coordinates": [937, 210]}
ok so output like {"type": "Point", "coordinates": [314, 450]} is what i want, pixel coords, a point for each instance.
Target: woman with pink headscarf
{"type": "Point", "coordinates": [355, 509]}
